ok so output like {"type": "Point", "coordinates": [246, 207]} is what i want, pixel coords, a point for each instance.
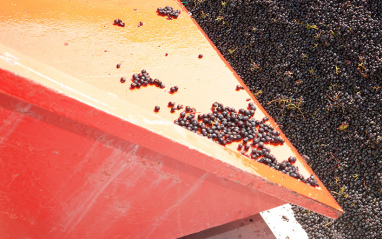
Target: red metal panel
{"type": "Point", "coordinates": [63, 179]}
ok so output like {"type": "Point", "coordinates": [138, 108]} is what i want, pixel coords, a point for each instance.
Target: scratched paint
{"type": "Point", "coordinates": [163, 218]}
{"type": "Point", "coordinates": [11, 122]}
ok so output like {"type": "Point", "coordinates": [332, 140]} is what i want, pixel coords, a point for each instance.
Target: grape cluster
{"type": "Point", "coordinates": [168, 11]}
{"type": "Point", "coordinates": [174, 89]}
{"type": "Point", "coordinates": [143, 79]}
{"type": "Point", "coordinates": [225, 125]}
{"type": "Point", "coordinates": [316, 67]}
{"type": "Point", "coordinates": [118, 22]}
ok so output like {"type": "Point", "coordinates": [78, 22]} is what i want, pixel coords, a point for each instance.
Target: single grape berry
{"type": "Point", "coordinates": [292, 160]}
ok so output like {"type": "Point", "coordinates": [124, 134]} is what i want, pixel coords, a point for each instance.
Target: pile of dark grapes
{"type": "Point", "coordinates": [168, 11]}
{"type": "Point", "coordinates": [118, 22]}
{"type": "Point", "coordinates": [316, 67]}
{"type": "Point", "coordinates": [143, 79]}
{"type": "Point", "coordinates": [225, 125]}
{"type": "Point", "coordinates": [174, 89]}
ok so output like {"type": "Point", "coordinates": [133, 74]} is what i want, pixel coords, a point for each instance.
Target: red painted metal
{"type": "Point", "coordinates": [63, 179]}
{"type": "Point", "coordinates": [82, 156]}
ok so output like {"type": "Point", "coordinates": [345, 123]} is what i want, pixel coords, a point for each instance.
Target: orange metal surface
{"type": "Point", "coordinates": [72, 47]}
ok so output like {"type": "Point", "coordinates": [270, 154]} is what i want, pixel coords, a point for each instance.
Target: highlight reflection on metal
{"type": "Point", "coordinates": [77, 144]}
